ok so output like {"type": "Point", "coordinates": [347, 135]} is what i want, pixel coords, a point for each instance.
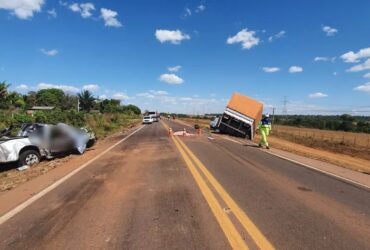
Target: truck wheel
{"type": "Point", "coordinates": [29, 157]}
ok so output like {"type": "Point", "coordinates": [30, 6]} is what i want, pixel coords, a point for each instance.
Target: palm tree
{"type": "Point", "coordinates": [3, 94]}
{"type": "Point", "coordinates": [86, 100]}
{"type": "Point", "coordinates": [3, 90]}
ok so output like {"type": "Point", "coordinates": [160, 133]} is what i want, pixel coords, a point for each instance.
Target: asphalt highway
{"type": "Point", "coordinates": [155, 191]}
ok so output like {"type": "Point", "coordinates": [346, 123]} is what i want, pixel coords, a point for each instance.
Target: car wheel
{"type": "Point", "coordinates": [91, 143]}
{"type": "Point", "coordinates": [29, 157]}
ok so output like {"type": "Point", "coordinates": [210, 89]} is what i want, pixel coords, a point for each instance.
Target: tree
{"type": "Point", "coordinates": [3, 94]}
{"type": "Point", "coordinates": [69, 102]}
{"type": "Point", "coordinates": [109, 105]}
{"type": "Point", "coordinates": [3, 90]}
{"type": "Point", "coordinates": [86, 100]}
{"type": "Point", "coordinates": [30, 99]}
{"type": "Point", "coordinates": [132, 108]}
{"type": "Point", "coordinates": [15, 100]}
{"type": "Point", "coordinates": [50, 97]}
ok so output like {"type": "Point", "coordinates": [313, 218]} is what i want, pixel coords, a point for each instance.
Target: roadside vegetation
{"type": "Point", "coordinates": [81, 110]}
{"type": "Point", "coordinates": [345, 122]}
{"type": "Point", "coordinates": [104, 117]}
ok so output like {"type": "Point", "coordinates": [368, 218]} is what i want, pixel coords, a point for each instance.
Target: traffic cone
{"type": "Point", "coordinates": [170, 133]}
{"type": "Point", "coordinates": [184, 132]}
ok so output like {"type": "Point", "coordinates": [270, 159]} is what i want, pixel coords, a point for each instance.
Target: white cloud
{"type": "Point", "coordinates": [295, 69]}
{"type": "Point", "coordinates": [367, 75]}
{"type": "Point", "coordinates": [23, 9]}
{"type": "Point", "coordinates": [120, 96]}
{"type": "Point", "coordinates": [102, 97]}
{"type": "Point", "coordinates": [91, 87]}
{"type": "Point", "coordinates": [200, 8]}
{"type": "Point", "coordinates": [22, 87]}
{"type": "Point", "coordinates": [171, 79]}
{"type": "Point", "coordinates": [75, 7]}
{"type": "Point", "coordinates": [246, 38]}
{"type": "Point", "coordinates": [172, 36]}
{"type": "Point", "coordinates": [84, 9]}
{"type": "Point", "coordinates": [146, 95]}
{"type": "Point", "coordinates": [360, 67]}
{"type": "Point", "coordinates": [52, 52]}
{"type": "Point", "coordinates": [65, 88]}
{"type": "Point", "coordinates": [151, 94]}
{"type": "Point", "coordinates": [110, 18]}
{"type": "Point", "coordinates": [174, 68]}
{"type": "Point", "coordinates": [270, 69]}
{"type": "Point", "coordinates": [281, 34]}
{"type": "Point", "coordinates": [352, 57]}
{"type": "Point", "coordinates": [321, 58]}
{"type": "Point", "coordinates": [317, 95]}
{"type": "Point", "coordinates": [52, 13]}
{"type": "Point", "coordinates": [158, 92]}
{"type": "Point", "coordinates": [365, 87]}
{"type": "Point", "coordinates": [187, 12]}
{"type": "Point", "coordinates": [329, 30]}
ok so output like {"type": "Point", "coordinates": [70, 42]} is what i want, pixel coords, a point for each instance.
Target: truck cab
{"type": "Point", "coordinates": [153, 115]}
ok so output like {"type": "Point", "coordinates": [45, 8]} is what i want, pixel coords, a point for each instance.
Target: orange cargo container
{"type": "Point", "coordinates": [247, 106]}
{"type": "Point", "coordinates": [240, 118]}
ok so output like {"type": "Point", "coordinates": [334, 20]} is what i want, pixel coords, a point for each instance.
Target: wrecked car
{"type": "Point", "coordinates": [35, 141]}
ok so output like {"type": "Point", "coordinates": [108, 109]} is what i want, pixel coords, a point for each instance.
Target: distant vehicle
{"type": "Point", "coordinates": [240, 118]}
{"type": "Point", "coordinates": [147, 120]}
{"type": "Point", "coordinates": [155, 115]}
{"type": "Point", "coordinates": [35, 141]}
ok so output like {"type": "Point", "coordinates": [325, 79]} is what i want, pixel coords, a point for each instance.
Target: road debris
{"type": "Point", "coordinates": [183, 133]}
{"type": "Point", "coordinates": [25, 167]}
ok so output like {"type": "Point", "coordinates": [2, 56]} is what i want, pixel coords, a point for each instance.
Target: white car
{"type": "Point", "coordinates": [148, 120]}
{"type": "Point", "coordinates": [36, 141]}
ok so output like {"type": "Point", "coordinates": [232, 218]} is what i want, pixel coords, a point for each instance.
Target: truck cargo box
{"type": "Point", "coordinates": [246, 106]}
{"type": "Point", "coordinates": [240, 118]}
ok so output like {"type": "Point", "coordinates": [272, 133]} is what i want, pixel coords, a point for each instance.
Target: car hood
{"type": "Point", "coordinates": [2, 140]}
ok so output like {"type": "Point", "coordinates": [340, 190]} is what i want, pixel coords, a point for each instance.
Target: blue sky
{"type": "Point", "coordinates": [190, 56]}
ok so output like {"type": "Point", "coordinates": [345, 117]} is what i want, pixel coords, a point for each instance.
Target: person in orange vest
{"type": "Point", "coordinates": [264, 128]}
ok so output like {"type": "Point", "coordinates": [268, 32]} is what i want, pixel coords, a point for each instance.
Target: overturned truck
{"type": "Point", "coordinates": [240, 118]}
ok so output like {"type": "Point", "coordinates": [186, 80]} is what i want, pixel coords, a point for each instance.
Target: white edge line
{"type": "Point", "coordinates": [307, 166]}
{"type": "Point", "coordinates": [39, 195]}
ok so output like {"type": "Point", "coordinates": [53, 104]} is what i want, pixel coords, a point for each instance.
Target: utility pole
{"type": "Point", "coordinates": [78, 105]}
{"type": "Point", "coordinates": [273, 115]}
{"type": "Point", "coordinates": [285, 108]}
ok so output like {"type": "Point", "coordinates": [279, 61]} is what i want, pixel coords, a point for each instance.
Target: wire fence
{"type": "Point", "coordinates": [339, 137]}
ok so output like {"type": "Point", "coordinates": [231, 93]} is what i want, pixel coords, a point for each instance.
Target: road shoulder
{"type": "Point", "coordinates": [345, 174]}
{"type": "Point", "coordinates": [30, 187]}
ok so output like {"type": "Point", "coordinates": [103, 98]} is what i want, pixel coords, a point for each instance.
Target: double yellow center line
{"type": "Point", "coordinates": [236, 241]}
